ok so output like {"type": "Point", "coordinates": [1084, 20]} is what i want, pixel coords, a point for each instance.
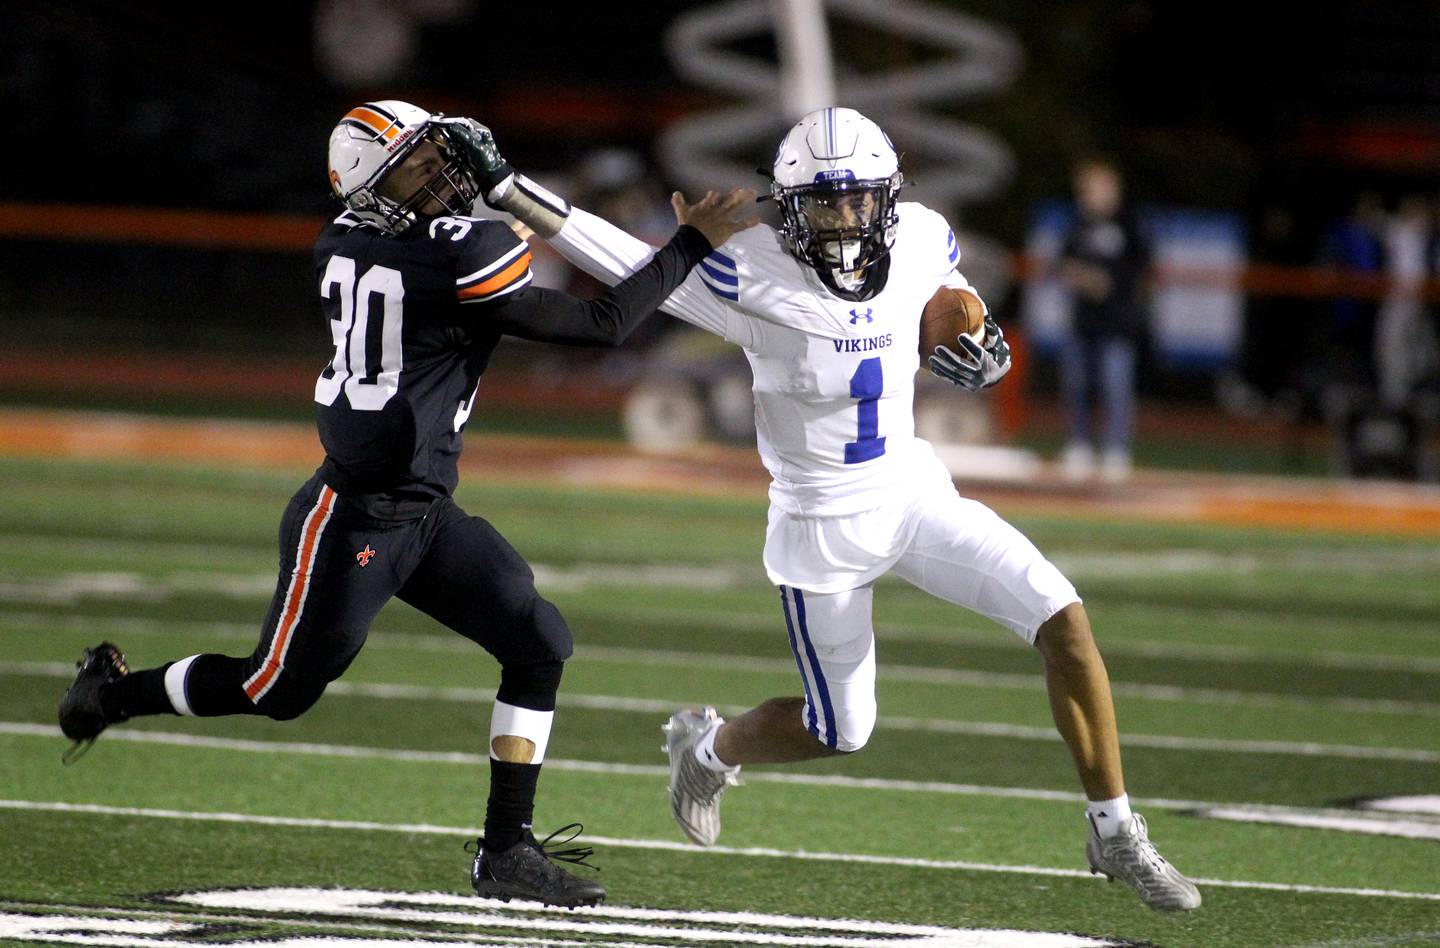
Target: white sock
{"type": "Point", "coordinates": [705, 752]}
{"type": "Point", "coordinates": [1107, 816]}
{"type": "Point", "coordinates": [175, 685]}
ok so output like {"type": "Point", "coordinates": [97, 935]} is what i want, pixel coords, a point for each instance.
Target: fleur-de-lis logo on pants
{"type": "Point", "coordinates": [364, 556]}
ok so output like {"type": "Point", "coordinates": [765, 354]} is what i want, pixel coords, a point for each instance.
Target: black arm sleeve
{"type": "Point", "coordinates": [551, 316]}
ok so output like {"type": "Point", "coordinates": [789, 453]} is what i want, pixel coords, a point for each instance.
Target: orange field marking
{"type": "Point", "coordinates": [1261, 502]}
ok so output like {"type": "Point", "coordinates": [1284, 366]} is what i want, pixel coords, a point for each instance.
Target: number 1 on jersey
{"type": "Point", "coordinates": [867, 384]}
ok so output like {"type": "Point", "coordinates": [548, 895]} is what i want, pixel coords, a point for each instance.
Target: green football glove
{"type": "Point", "coordinates": [475, 146]}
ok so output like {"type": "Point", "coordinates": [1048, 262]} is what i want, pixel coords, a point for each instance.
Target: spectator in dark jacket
{"type": "Point", "coordinates": [1104, 261]}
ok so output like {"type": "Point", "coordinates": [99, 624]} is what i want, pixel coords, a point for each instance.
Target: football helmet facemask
{"type": "Point", "coordinates": [374, 139]}
{"type": "Point", "coordinates": [836, 177]}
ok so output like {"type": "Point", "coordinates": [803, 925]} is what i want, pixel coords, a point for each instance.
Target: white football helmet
{"type": "Point", "coordinates": [371, 141]}
{"type": "Point", "coordinates": [836, 177]}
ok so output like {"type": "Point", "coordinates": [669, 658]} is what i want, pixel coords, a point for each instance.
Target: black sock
{"type": "Point", "coordinates": [138, 693]}
{"type": "Point", "coordinates": [512, 803]}
{"type": "Point", "coordinates": [215, 685]}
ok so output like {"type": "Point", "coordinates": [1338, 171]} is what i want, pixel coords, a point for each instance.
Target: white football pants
{"type": "Point", "coordinates": [951, 547]}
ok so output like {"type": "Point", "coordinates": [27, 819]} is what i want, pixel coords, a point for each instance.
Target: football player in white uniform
{"type": "Point", "coordinates": [827, 309]}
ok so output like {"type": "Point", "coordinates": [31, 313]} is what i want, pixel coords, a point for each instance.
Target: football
{"type": "Point", "coordinates": [949, 313]}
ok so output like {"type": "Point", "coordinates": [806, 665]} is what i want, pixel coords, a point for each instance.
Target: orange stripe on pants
{"type": "Point", "coordinates": [261, 681]}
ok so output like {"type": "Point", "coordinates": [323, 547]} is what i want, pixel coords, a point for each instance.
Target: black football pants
{"type": "Point", "coordinates": [338, 567]}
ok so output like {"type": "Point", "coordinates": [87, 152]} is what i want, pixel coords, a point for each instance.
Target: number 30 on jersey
{"type": "Point", "coordinates": [369, 373]}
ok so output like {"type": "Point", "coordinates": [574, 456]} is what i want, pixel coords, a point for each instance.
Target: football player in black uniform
{"type": "Point", "coordinates": [417, 295]}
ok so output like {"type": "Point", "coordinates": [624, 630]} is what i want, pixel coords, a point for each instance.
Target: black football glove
{"type": "Point", "coordinates": [477, 149]}
{"type": "Point", "coordinates": [981, 365]}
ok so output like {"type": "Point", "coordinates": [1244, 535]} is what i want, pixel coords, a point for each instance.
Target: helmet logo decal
{"type": "Point", "coordinates": [373, 121]}
{"type": "Point", "coordinates": [397, 140]}
{"type": "Point", "coordinates": [838, 174]}
{"type": "Point", "coordinates": [335, 180]}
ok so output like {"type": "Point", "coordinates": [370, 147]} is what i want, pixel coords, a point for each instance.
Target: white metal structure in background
{"type": "Point", "coordinates": [807, 71]}
{"type": "Point", "coordinates": [951, 163]}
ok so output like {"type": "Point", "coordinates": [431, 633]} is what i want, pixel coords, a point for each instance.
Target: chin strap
{"type": "Point", "coordinates": [542, 211]}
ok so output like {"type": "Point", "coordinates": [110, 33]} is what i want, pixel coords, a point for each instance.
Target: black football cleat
{"type": "Point", "coordinates": [82, 714]}
{"type": "Point", "coordinates": [527, 871]}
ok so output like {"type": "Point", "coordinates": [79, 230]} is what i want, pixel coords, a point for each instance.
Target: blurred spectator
{"type": "Point", "coordinates": [619, 185]}
{"type": "Point", "coordinates": [1104, 261]}
{"type": "Point", "coordinates": [1277, 327]}
{"type": "Point", "coordinates": [1384, 356]}
{"type": "Point", "coordinates": [1406, 352]}
{"type": "Point", "coordinates": [1353, 245]}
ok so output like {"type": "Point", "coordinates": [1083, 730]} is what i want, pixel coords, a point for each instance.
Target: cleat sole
{"type": "Point", "coordinates": [505, 895]}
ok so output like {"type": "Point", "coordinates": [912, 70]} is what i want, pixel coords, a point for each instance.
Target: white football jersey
{"type": "Point", "coordinates": [834, 380]}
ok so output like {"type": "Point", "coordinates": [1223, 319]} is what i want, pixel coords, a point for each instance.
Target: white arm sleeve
{"type": "Point", "coordinates": [609, 254]}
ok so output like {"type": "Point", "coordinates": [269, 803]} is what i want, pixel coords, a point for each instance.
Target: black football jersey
{"type": "Point", "coordinates": [414, 318]}
{"type": "Point", "coordinates": [410, 346]}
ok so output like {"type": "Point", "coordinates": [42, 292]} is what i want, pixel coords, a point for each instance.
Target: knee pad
{"type": "Point", "coordinates": [551, 632]}
{"type": "Point", "coordinates": [842, 719]}
{"type": "Point", "coordinates": [289, 698]}
{"type": "Point", "coordinates": [854, 723]}
{"type": "Point", "coordinates": [854, 729]}
{"type": "Point", "coordinates": [530, 685]}
{"type": "Point", "coordinates": [532, 634]}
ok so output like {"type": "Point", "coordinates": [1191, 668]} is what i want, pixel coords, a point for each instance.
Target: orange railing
{"type": "Point", "coordinates": [288, 233]}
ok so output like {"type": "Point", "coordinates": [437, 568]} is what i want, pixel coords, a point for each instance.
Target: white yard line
{"type": "Point", "coordinates": [943, 634]}
{"type": "Point", "coordinates": [1417, 828]}
{"type": "Point", "coordinates": [664, 707]}
{"type": "Point", "coordinates": [668, 846]}
{"type": "Point", "coordinates": [835, 781]}
{"type": "Point", "coordinates": [1184, 561]}
{"type": "Point", "coordinates": [1035, 682]}
{"type": "Point", "coordinates": [913, 632]}
{"type": "Point", "coordinates": [1223, 745]}
{"type": "Point", "coordinates": [582, 576]}
{"type": "Point", "coordinates": [83, 912]}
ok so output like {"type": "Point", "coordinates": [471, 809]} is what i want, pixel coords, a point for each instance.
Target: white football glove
{"type": "Point", "coordinates": [980, 366]}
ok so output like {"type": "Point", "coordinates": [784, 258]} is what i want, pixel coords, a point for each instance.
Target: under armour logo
{"type": "Point", "coordinates": [365, 556]}
{"type": "Point", "coordinates": [856, 315]}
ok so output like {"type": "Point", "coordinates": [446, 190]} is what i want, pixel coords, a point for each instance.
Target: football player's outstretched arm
{"type": "Point", "coordinates": [609, 254]}
{"type": "Point", "coordinates": [591, 243]}
{"type": "Point", "coordinates": [552, 316]}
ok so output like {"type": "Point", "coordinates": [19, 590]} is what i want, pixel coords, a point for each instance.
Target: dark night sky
{"type": "Point", "coordinates": [223, 105]}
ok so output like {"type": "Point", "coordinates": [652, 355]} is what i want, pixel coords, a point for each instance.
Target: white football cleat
{"type": "Point", "coordinates": [1130, 857]}
{"type": "Point", "coordinates": [695, 790]}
